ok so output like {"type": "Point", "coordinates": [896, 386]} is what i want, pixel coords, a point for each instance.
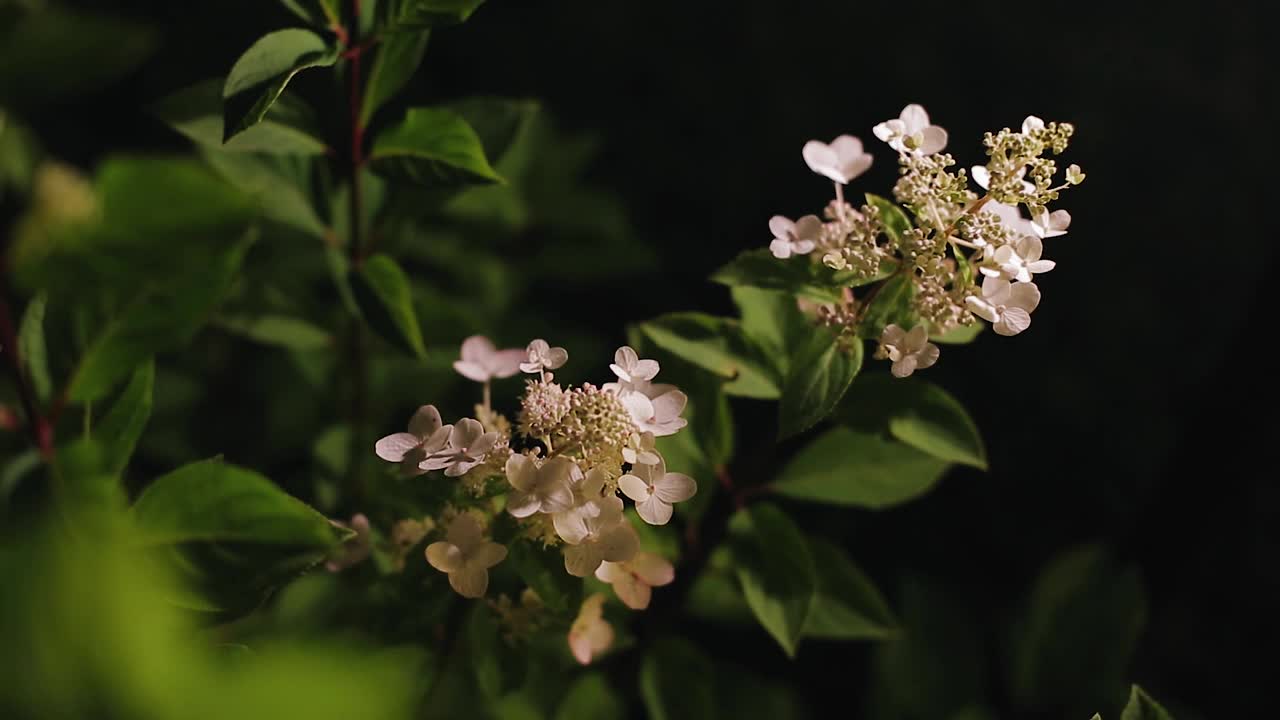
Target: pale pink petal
{"type": "Point", "coordinates": [521, 504]}
{"type": "Point", "coordinates": [483, 444]}
{"type": "Point", "coordinates": [470, 581]}
{"type": "Point", "coordinates": [582, 560]}
{"type": "Point", "coordinates": [571, 526]}
{"type": "Point", "coordinates": [780, 248]}
{"type": "Point", "coordinates": [506, 363]}
{"type": "Point", "coordinates": [556, 357]}
{"type": "Point", "coordinates": [522, 472]}
{"type": "Point", "coordinates": [934, 139]}
{"type": "Point", "coordinates": [980, 308]}
{"type": "Point", "coordinates": [1024, 295]}
{"type": "Point", "coordinates": [444, 556]}
{"type": "Point", "coordinates": [675, 487]}
{"type": "Point", "coordinates": [425, 421]}
{"type": "Point", "coordinates": [464, 532]}
{"type": "Point", "coordinates": [645, 369]}
{"type": "Point", "coordinates": [487, 555]}
{"type": "Point", "coordinates": [808, 227]}
{"type": "Point", "coordinates": [654, 510]}
{"type": "Point", "coordinates": [928, 356]}
{"type": "Point", "coordinates": [393, 448]}
{"type": "Point", "coordinates": [477, 348]}
{"type": "Point", "coordinates": [781, 227]}
{"type": "Point", "coordinates": [632, 591]}
{"type": "Point", "coordinates": [652, 568]}
{"type": "Point", "coordinates": [437, 440]}
{"type": "Point", "coordinates": [980, 175]}
{"type": "Point", "coordinates": [465, 433]}
{"type": "Point", "coordinates": [1012, 321]}
{"type": "Point", "coordinates": [610, 572]}
{"type": "Point", "coordinates": [634, 488]}
{"type": "Point", "coordinates": [821, 159]}
{"type": "Point", "coordinates": [914, 119]}
{"type": "Point", "coordinates": [619, 543]}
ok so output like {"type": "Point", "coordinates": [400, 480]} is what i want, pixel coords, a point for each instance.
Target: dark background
{"type": "Point", "coordinates": [1137, 408]}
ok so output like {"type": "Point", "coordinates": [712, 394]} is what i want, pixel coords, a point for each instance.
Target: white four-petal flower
{"type": "Point", "coordinates": [541, 356]}
{"type": "Point", "coordinates": [654, 490]}
{"type": "Point", "coordinates": [1047, 224]}
{"type": "Point", "coordinates": [539, 486]}
{"type": "Point", "coordinates": [609, 538]}
{"type": "Point", "coordinates": [585, 490]}
{"type": "Point", "coordinates": [466, 556]}
{"type": "Point", "coordinates": [590, 633]}
{"type": "Point", "coordinates": [468, 446]}
{"type": "Point", "coordinates": [655, 408]}
{"type": "Point", "coordinates": [794, 238]}
{"type": "Point", "coordinates": [912, 133]}
{"type": "Point", "coordinates": [426, 436]}
{"type": "Point", "coordinates": [909, 351]}
{"type": "Point", "coordinates": [629, 368]}
{"type": "Point", "coordinates": [633, 581]}
{"type": "Point", "coordinates": [842, 160]}
{"type": "Point", "coordinates": [1018, 261]}
{"type": "Point", "coordinates": [482, 362]}
{"type": "Point", "coordinates": [1007, 306]}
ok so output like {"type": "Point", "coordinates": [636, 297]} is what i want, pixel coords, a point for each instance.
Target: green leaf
{"type": "Point", "coordinates": [386, 301]}
{"type": "Point", "coordinates": [232, 532]}
{"type": "Point", "coordinates": [845, 467]}
{"type": "Point", "coordinates": [772, 319]}
{"type": "Point", "coordinates": [161, 317]}
{"type": "Point", "coordinates": [287, 128]}
{"type": "Point", "coordinates": [498, 122]}
{"type": "Point", "coordinates": [325, 13]}
{"type": "Point", "coordinates": [671, 682]}
{"type": "Point", "coordinates": [719, 345]}
{"type": "Point", "coordinates": [821, 371]}
{"type": "Point", "coordinates": [776, 571]}
{"type": "Point", "coordinates": [961, 335]}
{"type": "Point", "coordinates": [277, 192]}
{"type": "Point", "coordinates": [32, 349]}
{"type": "Point", "coordinates": [19, 155]}
{"type": "Point", "coordinates": [1073, 644]}
{"type": "Point", "coordinates": [543, 570]}
{"type": "Point", "coordinates": [263, 71]}
{"type": "Point", "coordinates": [404, 15]}
{"type": "Point", "coordinates": [796, 275]}
{"type": "Point", "coordinates": [276, 330]}
{"type": "Point", "coordinates": [119, 431]}
{"type": "Point", "coordinates": [432, 146]}
{"type": "Point", "coordinates": [848, 605]}
{"type": "Point", "coordinates": [896, 223]}
{"type": "Point", "coordinates": [1142, 706]}
{"type": "Point", "coordinates": [591, 698]}
{"type": "Point", "coordinates": [894, 303]}
{"type": "Point", "coordinates": [398, 58]}
{"type": "Point", "coordinates": [919, 414]}
{"type": "Point", "coordinates": [214, 501]}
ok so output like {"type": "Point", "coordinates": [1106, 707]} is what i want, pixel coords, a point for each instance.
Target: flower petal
{"type": "Point", "coordinates": [981, 175]}
{"type": "Point", "coordinates": [1012, 321]}
{"type": "Point", "coordinates": [506, 363]}
{"type": "Point", "coordinates": [914, 118]}
{"type": "Point", "coordinates": [393, 448]}
{"type": "Point", "coordinates": [477, 348]}
{"type": "Point", "coordinates": [654, 510]}
{"type": "Point", "coordinates": [464, 532]}
{"type": "Point", "coordinates": [781, 227]}
{"type": "Point", "coordinates": [652, 568]}
{"type": "Point", "coordinates": [934, 140]}
{"type": "Point", "coordinates": [780, 248]}
{"type": "Point", "coordinates": [444, 556]}
{"type": "Point", "coordinates": [675, 487]}
{"type": "Point", "coordinates": [523, 504]}
{"type": "Point", "coordinates": [634, 488]}
{"type": "Point", "coordinates": [619, 543]}
{"type": "Point", "coordinates": [425, 421]}
{"type": "Point", "coordinates": [582, 560]}
{"type": "Point", "coordinates": [487, 555]}
{"type": "Point", "coordinates": [470, 581]}
{"type": "Point", "coordinates": [1024, 295]}
{"type": "Point", "coordinates": [556, 357]}
{"type": "Point", "coordinates": [633, 593]}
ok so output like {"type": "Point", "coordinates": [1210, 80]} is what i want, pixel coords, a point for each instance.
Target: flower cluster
{"type": "Point", "coordinates": [953, 237]}
{"type": "Point", "coordinates": [576, 453]}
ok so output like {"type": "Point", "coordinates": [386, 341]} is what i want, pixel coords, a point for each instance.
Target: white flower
{"type": "Point", "coordinates": [794, 238]}
{"type": "Point", "coordinates": [634, 580]}
{"type": "Point", "coordinates": [628, 366]}
{"type": "Point", "coordinates": [466, 557]}
{"type": "Point", "coordinates": [539, 486]}
{"type": "Point", "coordinates": [842, 160]}
{"type": "Point", "coordinates": [609, 538]}
{"type": "Point", "coordinates": [641, 448]}
{"type": "Point", "coordinates": [982, 176]}
{"type": "Point", "coordinates": [482, 362]}
{"type": "Point", "coordinates": [541, 356]}
{"type": "Point", "coordinates": [1011, 217]}
{"type": "Point", "coordinates": [1018, 261]}
{"type": "Point", "coordinates": [355, 550]}
{"type": "Point", "coordinates": [654, 490]}
{"type": "Point", "coordinates": [468, 445]}
{"type": "Point", "coordinates": [912, 133]}
{"type": "Point", "coordinates": [426, 435]}
{"type": "Point", "coordinates": [909, 351]}
{"type": "Point", "coordinates": [1032, 123]}
{"type": "Point", "coordinates": [585, 490]}
{"type": "Point", "coordinates": [1047, 224]}
{"type": "Point", "coordinates": [654, 408]}
{"type": "Point", "coordinates": [590, 633]}
{"type": "Point", "coordinates": [1007, 306]}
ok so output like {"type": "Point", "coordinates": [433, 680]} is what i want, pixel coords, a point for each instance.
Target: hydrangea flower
{"type": "Point", "coordinates": [468, 446]}
{"type": "Point", "coordinates": [1011, 217]}
{"type": "Point", "coordinates": [633, 581]}
{"type": "Point", "coordinates": [911, 133]}
{"type": "Point", "coordinates": [655, 408]}
{"type": "Point", "coordinates": [590, 633]}
{"type": "Point", "coordinates": [628, 366]}
{"type": "Point", "coordinates": [654, 490]}
{"type": "Point", "coordinates": [609, 538]}
{"type": "Point", "coordinates": [427, 435]}
{"type": "Point", "coordinates": [1047, 224]}
{"type": "Point", "coordinates": [541, 357]}
{"type": "Point", "coordinates": [466, 556]}
{"type": "Point", "coordinates": [982, 176]}
{"type": "Point", "coordinates": [794, 238]}
{"type": "Point", "coordinates": [842, 160]}
{"type": "Point", "coordinates": [909, 351]}
{"type": "Point", "coordinates": [482, 362]}
{"type": "Point", "coordinates": [585, 490]}
{"type": "Point", "coordinates": [1019, 261]}
{"type": "Point", "coordinates": [1007, 306]}
{"type": "Point", "coordinates": [539, 486]}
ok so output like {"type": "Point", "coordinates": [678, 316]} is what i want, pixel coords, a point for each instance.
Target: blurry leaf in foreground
{"type": "Point", "coordinates": [848, 605]}
{"type": "Point", "coordinates": [263, 71]}
{"type": "Point", "coordinates": [382, 291]}
{"type": "Point", "coordinates": [776, 571]}
{"type": "Point", "coordinates": [917, 413]}
{"type": "Point", "coordinates": [845, 467]}
{"type": "Point", "coordinates": [672, 682]}
{"type": "Point", "coordinates": [1142, 706]}
{"type": "Point", "coordinates": [287, 128]}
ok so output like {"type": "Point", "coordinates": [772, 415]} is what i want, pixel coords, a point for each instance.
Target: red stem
{"type": "Point", "coordinates": [357, 134]}
{"type": "Point", "coordinates": [37, 424]}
